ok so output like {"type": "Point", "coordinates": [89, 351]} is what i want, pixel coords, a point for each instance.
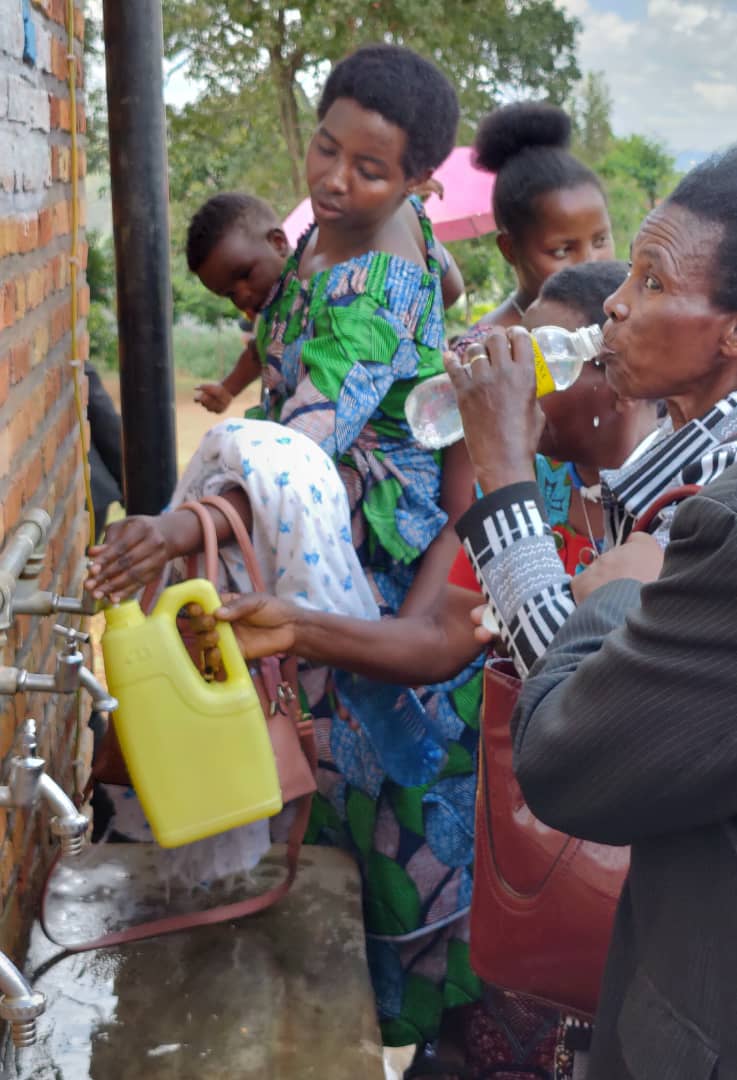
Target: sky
{"type": "Point", "coordinates": [669, 64]}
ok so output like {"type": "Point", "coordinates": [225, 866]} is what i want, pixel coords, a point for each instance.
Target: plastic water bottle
{"type": "Point", "coordinates": [431, 408]}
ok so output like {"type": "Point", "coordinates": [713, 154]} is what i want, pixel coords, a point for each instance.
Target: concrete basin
{"type": "Point", "coordinates": [284, 995]}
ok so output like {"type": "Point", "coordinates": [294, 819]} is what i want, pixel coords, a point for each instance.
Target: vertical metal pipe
{"type": "Point", "coordinates": [138, 174]}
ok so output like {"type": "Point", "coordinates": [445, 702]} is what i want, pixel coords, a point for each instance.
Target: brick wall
{"type": "Point", "coordinates": [40, 458]}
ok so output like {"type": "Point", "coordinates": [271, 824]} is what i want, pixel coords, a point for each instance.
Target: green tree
{"type": "Point", "coordinates": [190, 297]}
{"type": "Point", "coordinates": [485, 272]}
{"type": "Point", "coordinates": [643, 160]}
{"type": "Point", "coordinates": [636, 171]}
{"type": "Point", "coordinates": [238, 48]}
{"type": "Point", "coordinates": [591, 108]}
{"type": "Point", "coordinates": [100, 267]}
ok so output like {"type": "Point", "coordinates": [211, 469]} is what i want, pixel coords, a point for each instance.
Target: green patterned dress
{"type": "Point", "coordinates": [341, 351]}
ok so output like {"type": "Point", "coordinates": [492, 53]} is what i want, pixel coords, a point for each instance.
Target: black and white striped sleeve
{"type": "Point", "coordinates": [512, 550]}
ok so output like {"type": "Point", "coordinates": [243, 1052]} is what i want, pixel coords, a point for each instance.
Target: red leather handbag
{"type": "Point", "coordinates": [543, 903]}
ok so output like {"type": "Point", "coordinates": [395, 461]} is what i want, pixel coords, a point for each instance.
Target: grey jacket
{"type": "Point", "coordinates": [626, 733]}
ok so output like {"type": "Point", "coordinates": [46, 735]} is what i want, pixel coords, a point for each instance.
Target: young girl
{"type": "Point", "coordinates": [549, 208]}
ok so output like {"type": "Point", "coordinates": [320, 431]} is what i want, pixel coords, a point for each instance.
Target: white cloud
{"type": "Point", "coordinates": [669, 65]}
{"type": "Point", "coordinates": [681, 16]}
{"type": "Point", "coordinates": [720, 95]}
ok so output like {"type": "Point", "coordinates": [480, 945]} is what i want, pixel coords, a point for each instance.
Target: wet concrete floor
{"type": "Point", "coordinates": [284, 995]}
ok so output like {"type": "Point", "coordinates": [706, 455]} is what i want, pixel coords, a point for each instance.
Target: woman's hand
{"type": "Point", "coordinates": [640, 558]}
{"type": "Point", "coordinates": [497, 398]}
{"type": "Point", "coordinates": [484, 634]}
{"type": "Point", "coordinates": [134, 553]}
{"type": "Point", "coordinates": [263, 624]}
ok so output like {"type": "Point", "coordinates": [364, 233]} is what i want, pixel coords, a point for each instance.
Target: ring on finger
{"type": "Point", "coordinates": [474, 352]}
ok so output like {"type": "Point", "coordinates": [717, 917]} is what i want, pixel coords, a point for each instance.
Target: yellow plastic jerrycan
{"type": "Point", "coordinates": [198, 752]}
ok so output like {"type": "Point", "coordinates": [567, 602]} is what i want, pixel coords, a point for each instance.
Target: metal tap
{"type": "Point", "coordinates": [22, 557]}
{"type": "Point", "coordinates": [69, 674]}
{"type": "Point", "coordinates": [29, 600]}
{"type": "Point", "coordinates": [28, 782]}
{"type": "Point", "coordinates": [21, 561]}
{"type": "Point", "coordinates": [19, 1004]}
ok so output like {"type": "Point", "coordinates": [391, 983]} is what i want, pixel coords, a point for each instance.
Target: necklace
{"type": "Point", "coordinates": [594, 549]}
{"type": "Point", "coordinates": [586, 494]}
{"type": "Point", "coordinates": [516, 304]}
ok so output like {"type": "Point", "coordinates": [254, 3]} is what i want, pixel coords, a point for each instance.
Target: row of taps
{"type": "Point", "coordinates": [28, 782]}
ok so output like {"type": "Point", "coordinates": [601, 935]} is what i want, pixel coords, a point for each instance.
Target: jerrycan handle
{"type": "Point", "coordinates": [204, 593]}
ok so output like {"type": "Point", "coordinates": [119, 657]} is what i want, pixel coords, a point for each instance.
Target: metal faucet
{"type": "Point", "coordinates": [21, 561]}
{"type": "Point", "coordinates": [69, 674]}
{"type": "Point", "coordinates": [19, 1004]}
{"type": "Point", "coordinates": [28, 782]}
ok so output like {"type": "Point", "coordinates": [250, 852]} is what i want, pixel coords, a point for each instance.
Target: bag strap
{"type": "Point", "coordinates": [269, 665]}
{"type": "Point", "coordinates": [273, 682]}
{"type": "Point", "coordinates": [673, 495]}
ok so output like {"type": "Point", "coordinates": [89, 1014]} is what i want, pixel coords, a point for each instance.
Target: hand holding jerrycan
{"type": "Point", "coordinates": [198, 752]}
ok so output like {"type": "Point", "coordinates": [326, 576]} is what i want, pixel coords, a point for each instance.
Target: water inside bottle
{"type": "Point", "coordinates": [432, 413]}
{"type": "Point", "coordinates": [563, 368]}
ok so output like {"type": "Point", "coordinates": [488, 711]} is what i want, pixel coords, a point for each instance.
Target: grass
{"type": "Point", "coordinates": [204, 351]}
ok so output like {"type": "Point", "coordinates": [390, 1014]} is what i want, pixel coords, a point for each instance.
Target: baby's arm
{"type": "Point", "coordinates": [217, 396]}
{"type": "Point", "coordinates": [451, 282]}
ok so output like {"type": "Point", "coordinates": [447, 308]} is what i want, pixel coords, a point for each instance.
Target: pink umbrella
{"type": "Point", "coordinates": [463, 212]}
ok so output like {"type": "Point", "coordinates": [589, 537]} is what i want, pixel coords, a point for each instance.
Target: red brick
{"type": "Point", "coordinates": [60, 212]}
{"type": "Point", "coordinates": [19, 432]}
{"type": "Point", "coordinates": [84, 301]}
{"type": "Point", "coordinates": [45, 227]}
{"type": "Point", "coordinates": [34, 284]}
{"type": "Point", "coordinates": [14, 501]}
{"type": "Point", "coordinates": [27, 234]}
{"type": "Point", "coordinates": [4, 377]}
{"type": "Point", "coordinates": [20, 362]}
{"type": "Point", "coordinates": [20, 298]}
{"type": "Point", "coordinates": [7, 304]}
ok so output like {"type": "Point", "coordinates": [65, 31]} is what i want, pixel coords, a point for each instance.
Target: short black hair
{"type": "Point", "coordinates": [709, 191]}
{"type": "Point", "coordinates": [407, 90]}
{"type": "Point", "coordinates": [585, 287]}
{"type": "Point", "coordinates": [526, 145]}
{"type": "Point", "coordinates": [219, 215]}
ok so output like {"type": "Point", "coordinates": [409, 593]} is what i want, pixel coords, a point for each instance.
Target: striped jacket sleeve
{"type": "Point", "coordinates": [511, 547]}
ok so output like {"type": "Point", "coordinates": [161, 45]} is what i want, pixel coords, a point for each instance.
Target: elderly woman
{"type": "Point", "coordinates": [669, 337]}
{"type": "Point", "coordinates": [625, 732]}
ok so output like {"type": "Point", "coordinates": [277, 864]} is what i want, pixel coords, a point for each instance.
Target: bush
{"type": "Point", "coordinates": [204, 351]}
{"type": "Point", "coordinates": [102, 329]}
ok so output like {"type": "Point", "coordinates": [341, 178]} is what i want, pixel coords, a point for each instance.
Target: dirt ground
{"type": "Point", "coordinates": [191, 419]}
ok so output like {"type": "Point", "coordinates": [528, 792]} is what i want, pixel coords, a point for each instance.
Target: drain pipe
{"type": "Point", "coordinates": [138, 175]}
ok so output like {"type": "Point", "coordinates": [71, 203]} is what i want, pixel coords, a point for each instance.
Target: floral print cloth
{"type": "Point", "coordinates": [302, 540]}
{"type": "Point", "coordinates": [341, 352]}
